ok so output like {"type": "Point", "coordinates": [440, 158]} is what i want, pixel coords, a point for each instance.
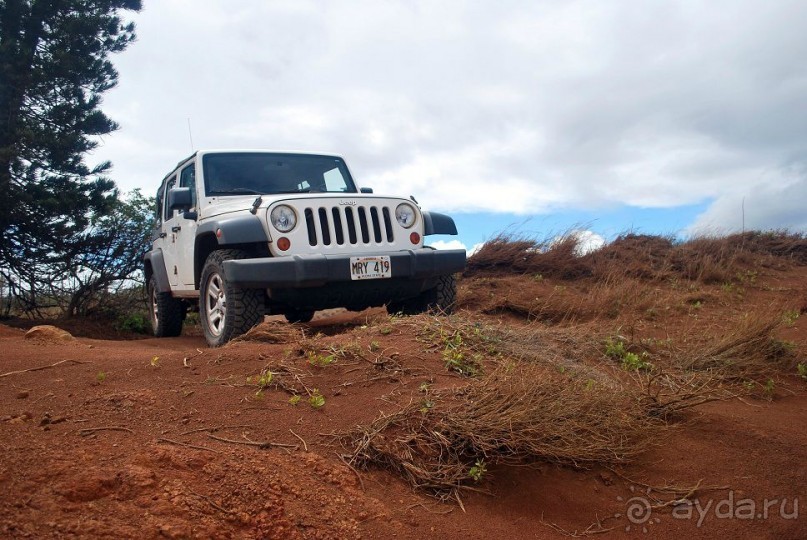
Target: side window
{"type": "Point", "coordinates": [187, 178]}
{"type": "Point", "coordinates": [168, 214]}
{"type": "Point", "coordinates": [159, 199]}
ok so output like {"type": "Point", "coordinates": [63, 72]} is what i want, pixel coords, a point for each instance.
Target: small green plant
{"type": "Point", "coordinates": [456, 358]}
{"type": "Point", "coordinates": [426, 405]}
{"type": "Point", "coordinates": [262, 381]}
{"type": "Point", "coordinates": [294, 400]}
{"type": "Point", "coordinates": [424, 387]}
{"type": "Point", "coordinates": [457, 361]}
{"type": "Point", "coordinates": [385, 330]}
{"type": "Point", "coordinates": [769, 388]}
{"type": "Point", "coordinates": [615, 348]}
{"type": "Point", "coordinates": [538, 277]}
{"type": "Point", "coordinates": [191, 319]}
{"type": "Point", "coordinates": [100, 377]}
{"type": "Point", "coordinates": [136, 323]}
{"type": "Point", "coordinates": [590, 384]}
{"type": "Point", "coordinates": [374, 346]}
{"type": "Point", "coordinates": [790, 317]}
{"type": "Point", "coordinates": [320, 360]}
{"type": "Point", "coordinates": [316, 400]}
{"type": "Point", "coordinates": [801, 369]}
{"type": "Point", "coordinates": [478, 470]}
{"type": "Point", "coordinates": [634, 362]}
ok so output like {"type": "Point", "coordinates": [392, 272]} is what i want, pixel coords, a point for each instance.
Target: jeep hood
{"type": "Point", "coordinates": [243, 203]}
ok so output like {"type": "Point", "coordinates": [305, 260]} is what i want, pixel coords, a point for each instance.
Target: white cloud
{"type": "Point", "coordinates": [455, 244]}
{"type": "Point", "coordinates": [778, 203]}
{"type": "Point", "coordinates": [587, 241]}
{"type": "Point", "coordinates": [504, 106]}
{"type": "Point", "coordinates": [448, 244]}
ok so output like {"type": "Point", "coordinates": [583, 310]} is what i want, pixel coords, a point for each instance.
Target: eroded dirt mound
{"type": "Point", "coordinates": [48, 333]}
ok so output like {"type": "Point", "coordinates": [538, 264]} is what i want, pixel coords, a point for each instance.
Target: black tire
{"type": "Point", "coordinates": [439, 300]}
{"type": "Point", "coordinates": [295, 316]}
{"type": "Point", "coordinates": [167, 312]}
{"type": "Point", "coordinates": [235, 309]}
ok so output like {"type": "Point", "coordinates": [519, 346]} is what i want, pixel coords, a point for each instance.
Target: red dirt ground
{"type": "Point", "coordinates": [161, 473]}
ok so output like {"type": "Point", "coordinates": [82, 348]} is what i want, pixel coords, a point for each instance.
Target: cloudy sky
{"type": "Point", "coordinates": [534, 116]}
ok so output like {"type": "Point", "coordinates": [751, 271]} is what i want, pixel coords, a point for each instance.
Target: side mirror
{"type": "Point", "coordinates": [366, 190]}
{"type": "Point", "coordinates": [180, 198]}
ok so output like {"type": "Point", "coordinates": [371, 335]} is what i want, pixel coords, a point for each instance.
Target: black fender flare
{"type": "Point", "coordinates": [155, 261]}
{"type": "Point", "coordinates": [239, 229]}
{"type": "Point", "coordinates": [435, 223]}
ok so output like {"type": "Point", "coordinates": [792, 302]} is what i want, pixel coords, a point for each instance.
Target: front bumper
{"type": "Point", "coordinates": [317, 270]}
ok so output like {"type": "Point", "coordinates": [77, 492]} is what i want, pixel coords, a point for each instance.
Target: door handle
{"type": "Point", "coordinates": [175, 228]}
{"type": "Point", "coordinates": [163, 235]}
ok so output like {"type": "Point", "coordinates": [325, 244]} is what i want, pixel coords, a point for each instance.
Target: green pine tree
{"type": "Point", "coordinates": [54, 68]}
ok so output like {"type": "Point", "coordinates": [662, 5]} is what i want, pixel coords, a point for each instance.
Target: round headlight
{"type": "Point", "coordinates": [405, 215]}
{"type": "Point", "coordinates": [283, 218]}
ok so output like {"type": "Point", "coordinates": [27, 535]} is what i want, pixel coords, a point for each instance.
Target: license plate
{"type": "Point", "coordinates": [370, 267]}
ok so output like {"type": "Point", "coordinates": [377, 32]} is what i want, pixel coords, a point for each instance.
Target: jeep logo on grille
{"type": "Point", "coordinates": [347, 203]}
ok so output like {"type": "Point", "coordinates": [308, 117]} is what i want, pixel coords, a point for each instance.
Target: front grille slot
{"type": "Point", "coordinates": [350, 225]}
{"type": "Point", "coordinates": [323, 224]}
{"type": "Point", "coordinates": [376, 224]}
{"type": "Point", "coordinates": [337, 226]}
{"type": "Point", "coordinates": [388, 225]}
{"type": "Point", "coordinates": [312, 228]}
{"type": "Point", "coordinates": [365, 233]}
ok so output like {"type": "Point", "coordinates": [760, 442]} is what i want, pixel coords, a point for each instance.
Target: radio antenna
{"type": "Point", "coordinates": [190, 134]}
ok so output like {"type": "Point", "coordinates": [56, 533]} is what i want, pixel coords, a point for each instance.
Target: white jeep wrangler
{"type": "Point", "coordinates": [250, 233]}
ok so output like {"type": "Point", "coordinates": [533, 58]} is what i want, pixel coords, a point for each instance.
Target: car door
{"type": "Point", "coordinates": [170, 228]}
{"type": "Point", "coordinates": [159, 236]}
{"type": "Point", "coordinates": [186, 234]}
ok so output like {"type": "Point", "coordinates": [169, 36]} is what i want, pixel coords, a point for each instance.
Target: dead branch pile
{"type": "Point", "coordinates": [519, 414]}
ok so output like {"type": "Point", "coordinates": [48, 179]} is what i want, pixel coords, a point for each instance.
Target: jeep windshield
{"type": "Point", "coordinates": [253, 173]}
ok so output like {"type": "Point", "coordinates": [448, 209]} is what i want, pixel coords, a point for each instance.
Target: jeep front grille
{"type": "Point", "coordinates": [351, 225]}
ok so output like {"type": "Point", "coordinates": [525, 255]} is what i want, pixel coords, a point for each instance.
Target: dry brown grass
{"type": "Point", "coordinates": [273, 332]}
{"type": "Point", "coordinates": [546, 391]}
{"type": "Point", "coordinates": [749, 351]}
{"type": "Point", "coordinates": [521, 413]}
{"type": "Point", "coordinates": [553, 303]}
{"type": "Point", "coordinates": [550, 394]}
{"type": "Point", "coordinates": [705, 259]}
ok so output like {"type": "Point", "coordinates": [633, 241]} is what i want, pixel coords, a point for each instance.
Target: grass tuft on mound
{"type": "Point", "coordinates": [520, 413]}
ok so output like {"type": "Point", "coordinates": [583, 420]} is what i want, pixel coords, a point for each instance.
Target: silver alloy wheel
{"type": "Point", "coordinates": [155, 313]}
{"type": "Point", "coordinates": [215, 304]}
